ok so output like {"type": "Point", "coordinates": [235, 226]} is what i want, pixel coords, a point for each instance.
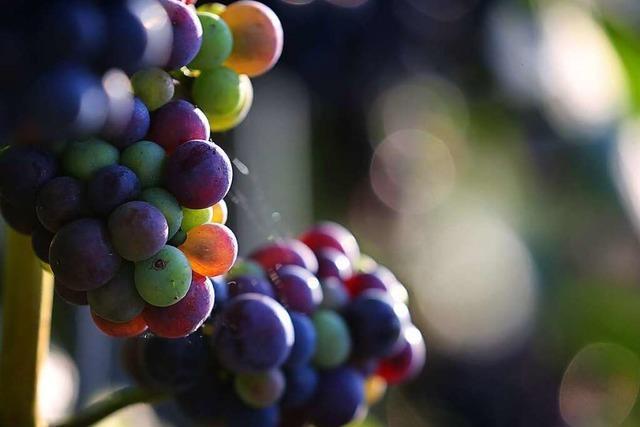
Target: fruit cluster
{"type": "Point", "coordinates": [302, 331]}
{"type": "Point", "coordinates": [130, 219]}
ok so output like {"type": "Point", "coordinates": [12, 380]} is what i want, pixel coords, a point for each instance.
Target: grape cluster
{"type": "Point", "coordinates": [127, 209]}
{"type": "Point", "coordinates": [303, 331]}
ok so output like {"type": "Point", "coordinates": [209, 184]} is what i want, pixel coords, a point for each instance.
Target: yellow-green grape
{"type": "Point", "coordinates": [194, 217]}
{"type": "Point", "coordinates": [217, 43]}
{"type": "Point", "coordinates": [224, 122]}
{"type": "Point", "coordinates": [153, 86]}
{"type": "Point", "coordinates": [217, 91]}
{"type": "Point", "coordinates": [215, 8]}
{"type": "Point", "coordinates": [220, 212]}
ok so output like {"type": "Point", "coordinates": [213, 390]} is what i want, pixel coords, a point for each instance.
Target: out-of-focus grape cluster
{"type": "Point", "coordinates": [302, 331]}
{"type": "Point", "coordinates": [108, 109]}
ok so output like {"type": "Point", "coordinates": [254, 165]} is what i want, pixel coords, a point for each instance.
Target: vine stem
{"type": "Point", "coordinates": [26, 306]}
{"type": "Point", "coordinates": [108, 405]}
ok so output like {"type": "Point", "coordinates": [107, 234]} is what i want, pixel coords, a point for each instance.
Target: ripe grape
{"type": "Point", "coordinates": [81, 159]}
{"type": "Point", "coordinates": [110, 187]}
{"type": "Point", "coordinates": [332, 235]}
{"type": "Point", "coordinates": [304, 344]}
{"type": "Point", "coordinates": [297, 289]}
{"type": "Point", "coordinates": [285, 252]}
{"type": "Point", "coordinates": [334, 294]}
{"type": "Point", "coordinates": [220, 213]}
{"type": "Point", "coordinates": [153, 86]}
{"type": "Point", "coordinates": [254, 334]}
{"type": "Point", "coordinates": [333, 263]}
{"type": "Point", "coordinates": [407, 361]}
{"type": "Point", "coordinates": [193, 217]}
{"type": "Point", "coordinates": [135, 128]}
{"type": "Point", "coordinates": [167, 204]}
{"type": "Point", "coordinates": [361, 282]}
{"type": "Point", "coordinates": [338, 397]}
{"type": "Point", "coordinates": [217, 42]}
{"type": "Point", "coordinates": [23, 171]}
{"type": "Point", "coordinates": [60, 201]}
{"type": "Point", "coordinates": [138, 230]}
{"type": "Point", "coordinates": [221, 291]}
{"type": "Point", "coordinates": [40, 242]}
{"type": "Point", "coordinates": [260, 390]}
{"type": "Point", "coordinates": [333, 342]}
{"type": "Point", "coordinates": [120, 330]}
{"type": "Point", "coordinates": [187, 33]}
{"type": "Point", "coordinates": [374, 325]}
{"type": "Point", "coordinates": [185, 316]}
{"type": "Point", "coordinates": [165, 278]}
{"type": "Point", "coordinates": [217, 91]}
{"type": "Point", "coordinates": [249, 284]}
{"type": "Point", "coordinates": [238, 414]}
{"type": "Point", "coordinates": [198, 174]}
{"type": "Point", "coordinates": [69, 295]}
{"type": "Point", "coordinates": [21, 218]}
{"type": "Point", "coordinates": [257, 37]}
{"type": "Point", "coordinates": [82, 256]}
{"type": "Point", "coordinates": [301, 385]}
{"type": "Point", "coordinates": [117, 301]}
{"type": "Point", "coordinates": [177, 122]}
{"type": "Point", "coordinates": [211, 249]}
{"type": "Point", "coordinates": [146, 159]}
{"type": "Point", "coordinates": [245, 267]}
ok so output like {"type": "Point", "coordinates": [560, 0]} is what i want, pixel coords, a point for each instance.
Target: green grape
{"type": "Point", "coordinates": [167, 204]}
{"type": "Point", "coordinates": [163, 279]}
{"type": "Point", "coordinates": [260, 390]}
{"type": "Point", "coordinates": [82, 158]}
{"type": "Point", "coordinates": [146, 159]}
{"type": "Point", "coordinates": [246, 267]}
{"type": "Point", "coordinates": [333, 343]}
{"type": "Point", "coordinates": [217, 43]}
{"type": "Point", "coordinates": [215, 8]}
{"type": "Point", "coordinates": [179, 238]}
{"type": "Point", "coordinates": [217, 91]}
{"type": "Point", "coordinates": [118, 300]}
{"type": "Point", "coordinates": [153, 86]}
{"type": "Point", "coordinates": [194, 217]}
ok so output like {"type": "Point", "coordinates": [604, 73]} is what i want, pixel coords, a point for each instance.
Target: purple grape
{"type": "Point", "coordinates": [41, 241]}
{"type": "Point", "coordinates": [81, 255]}
{"type": "Point", "coordinates": [60, 201]}
{"type": "Point", "coordinates": [338, 397]}
{"type": "Point", "coordinates": [177, 122]}
{"type": "Point", "coordinates": [21, 218]}
{"type": "Point", "coordinates": [285, 252]}
{"type": "Point", "coordinates": [187, 33]}
{"type": "Point", "coordinates": [334, 294]}
{"type": "Point", "coordinates": [301, 385]}
{"type": "Point", "coordinates": [136, 127]}
{"type": "Point", "coordinates": [69, 295]}
{"type": "Point", "coordinates": [246, 284]}
{"type": "Point", "coordinates": [374, 324]}
{"type": "Point", "coordinates": [304, 344]}
{"type": "Point", "coordinates": [198, 174]}
{"type": "Point", "coordinates": [254, 334]}
{"type": "Point", "coordinates": [110, 187]}
{"type": "Point", "coordinates": [333, 263]}
{"type": "Point", "coordinates": [297, 289]}
{"type": "Point", "coordinates": [23, 171]}
{"type": "Point", "coordinates": [138, 230]}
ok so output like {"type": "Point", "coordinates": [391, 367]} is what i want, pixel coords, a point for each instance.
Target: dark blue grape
{"type": "Point", "coordinates": [41, 241]}
{"type": "Point", "coordinates": [334, 294]}
{"type": "Point", "coordinates": [23, 171]}
{"type": "Point", "coordinates": [246, 284]}
{"type": "Point", "coordinates": [221, 291]}
{"type": "Point", "coordinates": [60, 201]}
{"type": "Point", "coordinates": [338, 397]}
{"type": "Point", "coordinates": [135, 128]}
{"type": "Point", "coordinates": [110, 187]}
{"type": "Point", "coordinates": [126, 37]}
{"type": "Point", "coordinates": [304, 344]}
{"type": "Point", "coordinates": [297, 289]}
{"type": "Point", "coordinates": [21, 218]}
{"type": "Point", "coordinates": [301, 385]}
{"type": "Point", "coordinates": [237, 414]}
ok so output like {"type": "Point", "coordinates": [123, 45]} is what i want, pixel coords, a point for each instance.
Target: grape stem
{"type": "Point", "coordinates": [106, 406]}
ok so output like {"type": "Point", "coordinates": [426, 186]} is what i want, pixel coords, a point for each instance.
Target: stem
{"type": "Point", "coordinates": [110, 404]}
{"type": "Point", "coordinates": [27, 301]}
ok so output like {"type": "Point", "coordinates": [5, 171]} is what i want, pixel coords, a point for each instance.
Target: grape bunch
{"type": "Point", "coordinates": [127, 209]}
{"type": "Point", "coordinates": [302, 331]}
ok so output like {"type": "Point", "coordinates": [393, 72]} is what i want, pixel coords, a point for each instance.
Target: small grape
{"type": "Point", "coordinates": [82, 256]}
{"type": "Point", "coordinates": [60, 201]}
{"type": "Point", "coordinates": [185, 316]}
{"type": "Point", "coordinates": [165, 278]}
{"type": "Point", "coordinates": [338, 397]}
{"type": "Point", "coordinates": [23, 171]}
{"type": "Point", "coordinates": [260, 390]}
{"type": "Point", "coordinates": [333, 263]}
{"type": "Point", "coordinates": [246, 267]}
{"type": "Point", "coordinates": [301, 385]}
{"type": "Point", "coordinates": [217, 91]}
{"type": "Point", "coordinates": [211, 249]}
{"type": "Point", "coordinates": [216, 42]}
{"type": "Point", "coordinates": [221, 291]}
{"type": "Point", "coordinates": [333, 343]}
{"type": "Point", "coordinates": [238, 414]}
{"type": "Point", "coordinates": [177, 122]}
{"type": "Point", "coordinates": [332, 235]}
{"type": "Point", "coordinates": [249, 284]}
{"type": "Point", "coordinates": [69, 295]}
{"type": "Point", "coordinates": [220, 213]}
{"type": "Point", "coordinates": [334, 294]}
{"type": "Point", "coordinates": [138, 230]}
{"type": "Point", "coordinates": [198, 174]}
{"type": "Point", "coordinates": [285, 252]}
{"type": "Point", "coordinates": [146, 159]}
{"type": "Point", "coordinates": [193, 217]}
{"type": "Point", "coordinates": [224, 122]}
{"type": "Point", "coordinates": [153, 86]}
{"type": "Point", "coordinates": [167, 204]}
{"type": "Point", "coordinates": [132, 328]}
{"type": "Point", "coordinates": [374, 389]}
{"type": "Point", "coordinates": [215, 8]}
{"type": "Point", "coordinates": [179, 238]}
{"type": "Point", "coordinates": [297, 289]}
{"type": "Point", "coordinates": [110, 187]}
{"type": "Point", "coordinates": [304, 344]}
{"type": "Point", "coordinates": [81, 159]}
{"type": "Point", "coordinates": [187, 33]}
{"type": "Point", "coordinates": [117, 301]}
{"type": "Point", "coordinates": [135, 128]}
{"type": "Point", "coordinates": [407, 361]}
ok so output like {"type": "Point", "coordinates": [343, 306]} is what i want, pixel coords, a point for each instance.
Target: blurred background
{"type": "Point", "coordinates": [488, 152]}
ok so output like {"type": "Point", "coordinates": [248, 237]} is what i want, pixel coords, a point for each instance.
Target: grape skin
{"type": "Point", "coordinates": [163, 279]}
{"type": "Point", "coordinates": [138, 230]}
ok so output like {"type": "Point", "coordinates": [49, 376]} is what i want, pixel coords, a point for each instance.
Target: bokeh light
{"type": "Point", "coordinates": [600, 386]}
{"type": "Point", "coordinates": [58, 388]}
